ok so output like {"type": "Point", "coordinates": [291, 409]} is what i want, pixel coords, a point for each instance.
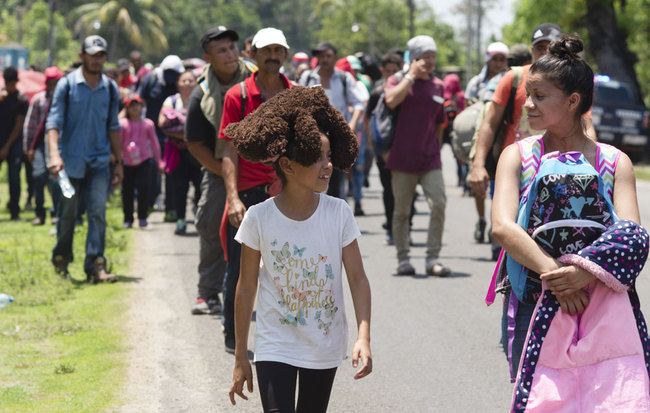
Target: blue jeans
{"type": "Point", "coordinates": [40, 175]}
{"type": "Point", "coordinates": [93, 188]}
{"type": "Point", "coordinates": [249, 197]}
{"type": "Point", "coordinates": [14, 163]}
{"type": "Point", "coordinates": [521, 322]}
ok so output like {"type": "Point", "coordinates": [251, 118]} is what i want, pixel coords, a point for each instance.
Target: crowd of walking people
{"type": "Point", "coordinates": [272, 165]}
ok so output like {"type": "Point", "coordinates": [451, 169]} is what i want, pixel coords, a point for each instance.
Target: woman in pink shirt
{"type": "Point", "coordinates": [139, 149]}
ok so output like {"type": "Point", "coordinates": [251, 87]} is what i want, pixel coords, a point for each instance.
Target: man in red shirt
{"type": "Point", "coordinates": [248, 183]}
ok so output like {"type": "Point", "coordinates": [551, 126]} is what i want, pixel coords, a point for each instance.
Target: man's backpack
{"type": "Point", "coordinates": [384, 122]}
{"type": "Point", "coordinates": [499, 137]}
{"type": "Point", "coordinates": [463, 130]}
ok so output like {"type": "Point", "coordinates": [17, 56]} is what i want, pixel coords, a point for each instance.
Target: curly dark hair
{"type": "Point", "coordinates": [290, 124]}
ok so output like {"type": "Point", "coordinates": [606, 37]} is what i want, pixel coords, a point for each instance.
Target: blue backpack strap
{"type": "Point", "coordinates": [204, 86]}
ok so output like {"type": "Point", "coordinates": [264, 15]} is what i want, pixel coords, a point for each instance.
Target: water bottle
{"type": "Point", "coordinates": [5, 299]}
{"type": "Point", "coordinates": [66, 186]}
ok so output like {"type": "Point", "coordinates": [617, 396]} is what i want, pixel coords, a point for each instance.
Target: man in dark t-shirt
{"type": "Point", "coordinates": [13, 108]}
{"type": "Point", "coordinates": [224, 69]}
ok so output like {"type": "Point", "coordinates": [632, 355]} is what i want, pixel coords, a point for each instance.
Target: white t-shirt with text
{"type": "Point", "coordinates": [300, 310]}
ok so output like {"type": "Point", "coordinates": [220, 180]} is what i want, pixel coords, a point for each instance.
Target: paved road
{"type": "Point", "coordinates": [435, 343]}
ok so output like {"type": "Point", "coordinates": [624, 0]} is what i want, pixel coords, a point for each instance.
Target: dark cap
{"type": "Point", "coordinates": [518, 55]}
{"type": "Point", "coordinates": [323, 46]}
{"type": "Point", "coordinates": [10, 74]}
{"type": "Point", "coordinates": [123, 64]}
{"type": "Point", "coordinates": [215, 33]}
{"type": "Point", "coordinates": [94, 44]}
{"type": "Point", "coordinates": [546, 31]}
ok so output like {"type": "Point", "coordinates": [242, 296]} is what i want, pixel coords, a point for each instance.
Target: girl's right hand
{"type": "Point", "coordinates": [575, 303]}
{"type": "Point", "coordinates": [241, 373]}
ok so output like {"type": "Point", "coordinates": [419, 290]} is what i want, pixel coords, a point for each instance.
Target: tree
{"type": "Point", "coordinates": [604, 28]}
{"type": "Point", "coordinates": [142, 22]}
{"type": "Point", "coordinates": [36, 29]}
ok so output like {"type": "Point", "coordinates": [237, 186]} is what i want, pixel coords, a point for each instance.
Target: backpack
{"type": "Point", "coordinates": [463, 131]}
{"type": "Point", "coordinates": [561, 195]}
{"type": "Point", "coordinates": [499, 137]}
{"type": "Point", "coordinates": [384, 122]}
{"type": "Point", "coordinates": [450, 109]}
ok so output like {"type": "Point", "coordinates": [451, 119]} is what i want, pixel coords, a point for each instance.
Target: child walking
{"type": "Point", "coordinates": [303, 238]}
{"type": "Point", "coordinates": [140, 148]}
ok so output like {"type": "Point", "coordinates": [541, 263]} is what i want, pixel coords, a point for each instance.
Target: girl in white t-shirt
{"type": "Point", "coordinates": [302, 237]}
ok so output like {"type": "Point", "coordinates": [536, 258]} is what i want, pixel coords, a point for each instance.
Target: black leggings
{"type": "Point", "coordinates": [277, 384]}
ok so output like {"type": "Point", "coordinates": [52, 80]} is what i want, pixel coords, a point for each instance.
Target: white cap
{"type": "Point", "coordinates": [267, 36]}
{"type": "Point", "coordinates": [172, 62]}
{"type": "Point", "coordinates": [495, 49]}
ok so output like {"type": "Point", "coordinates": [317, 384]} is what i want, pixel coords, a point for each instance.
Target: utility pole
{"type": "Point", "coordinates": [411, 6]}
{"type": "Point", "coordinates": [479, 20]}
{"type": "Point", "coordinates": [50, 38]}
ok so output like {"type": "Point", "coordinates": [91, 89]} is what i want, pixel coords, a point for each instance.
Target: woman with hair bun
{"type": "Point", "coordinates": [566, 212]}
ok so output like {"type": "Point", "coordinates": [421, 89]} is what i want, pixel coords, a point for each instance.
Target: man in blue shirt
{"type": "Point", "coordinates": [83, 135]}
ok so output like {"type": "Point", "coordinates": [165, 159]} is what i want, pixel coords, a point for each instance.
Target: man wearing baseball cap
{"type": "Point", "coordinates": [83, 136]}
{"type": "Point", "coordinates": [223, 70]}
{"type": "Point", "coordinates": [495, 63]}
{"type": "Point", "coordinates": [248, 183]}
{"type": "Point", "coordinates": [34, 140]}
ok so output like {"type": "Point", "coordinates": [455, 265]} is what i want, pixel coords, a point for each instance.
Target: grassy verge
{"type": "Point", "coordinates": [61, 341]}
{"type": "Point", "coordinates": [642, 172]}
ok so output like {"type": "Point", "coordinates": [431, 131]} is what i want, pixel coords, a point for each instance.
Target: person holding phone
{"type": "Point", "coordinates": [414, 157]}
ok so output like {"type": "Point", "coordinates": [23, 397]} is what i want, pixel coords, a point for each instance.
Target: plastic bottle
{"type": "Point", "coordinates": [66, 186]}
{"type": "Point", "coordinates": [5, 299]}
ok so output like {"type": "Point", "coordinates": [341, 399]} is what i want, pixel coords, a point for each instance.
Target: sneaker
{"type": "Point", "coordinates": [358, 212]}
{"type": "Point", "coordinates": [61, 266]}
{"type": "Point", "coordinates": [207, 306]}
{"type": "Point", "coordinates": [170, 216]}
{"type": "Point", "coordinates": [142, 223]}
{"type": "Point", "coordinates": [100, 275]}
{"type": "Point", "coordinates": [479, 231]}
{"type": "Point", "coordinates": [229, 342]}
{"type": "Point", "coordinates": [405, 268]}
{"type": "Point", "coordinates": [437, 269]}
{"type": "Point", "coordinates": [38, 221]}
{"type": "Point", "coordinates": [181, 227]}
{"type": "Point", "coordinates": [496, 250]}
{"type": "Point", "coordinates": [127, 225]}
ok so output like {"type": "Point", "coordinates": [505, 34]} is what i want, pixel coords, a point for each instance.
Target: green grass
{"type": "Point", "coordinates": [642, 172]}
{"type": "Point", "coordinates": [62, 341]}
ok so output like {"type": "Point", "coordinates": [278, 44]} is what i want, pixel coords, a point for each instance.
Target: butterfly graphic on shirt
{"type": "Point", "coordinates": [330, 310]}
{"type": "Point", "coordinates": [298, 251]}
{"type": "Point", "coordinates": [322, 258]}
{"type": "Point", "coordinates": [310, 275]}
{"type": "Point", "coordinates": [278, 267]}
{"type": "Point", "coordinates": [276, 281]}
{"type": "Point", "coordinates": [299, 318]}
{"type": "Point", "coordinates": [274, 243]}
{"type": "Point", "coordinates": [300, 295]}
{"type": "Point", "coordinates": [283, 254]}
{"type": "Point", "coordinates": [328, 271]}
{"type": "Point", "coordinates": [324, 326]}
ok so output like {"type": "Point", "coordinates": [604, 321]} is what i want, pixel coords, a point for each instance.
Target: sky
{"type": "Point", "coordinates": [497, 17]}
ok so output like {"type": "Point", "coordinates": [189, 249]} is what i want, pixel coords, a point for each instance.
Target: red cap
{"type": "Point", "coordinates": [133, 98]}
{"type": "Point", "coordinates": [53, 72]}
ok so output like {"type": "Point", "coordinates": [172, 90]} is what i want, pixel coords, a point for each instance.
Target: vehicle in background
{"type": "Point", "coordinates": [618, 119]}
